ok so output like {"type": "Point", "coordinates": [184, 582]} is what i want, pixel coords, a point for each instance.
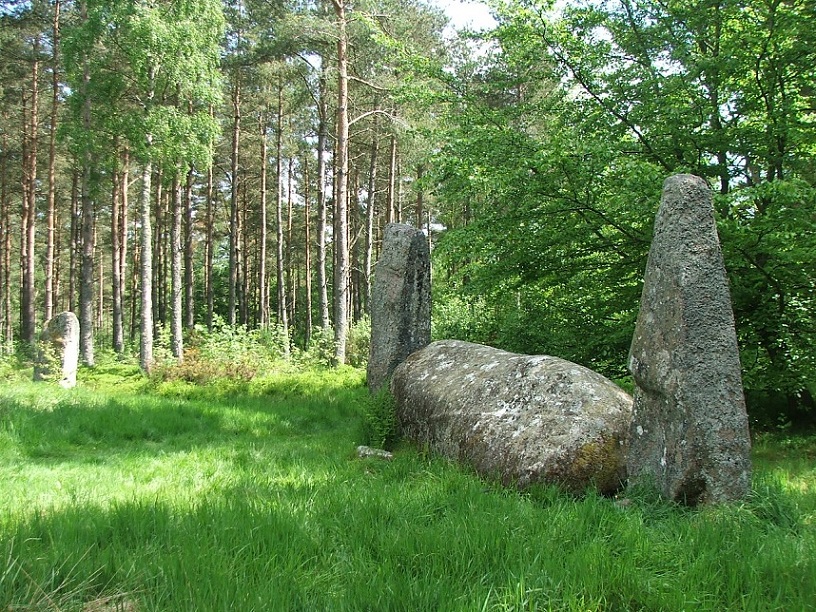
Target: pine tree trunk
{"type": "Point", "coordinates": [123, 232]}
{"type": "Point", "coordinates": [146, 272]}
{"type": "Point", "coordinates": [52, 166]}
{"type": "Point", "coordinates": [233, 226]}
{"type": "Point", "coordinates": [189, 276]}
{"type": "Point", "coordinates": [420, 200]}
{"type": "Point", "coordinates": [291, 281]}
{"type": "Point", "coordinates": [369, 229]}
{"type": "Point", "coordinates": [100, 266]}
{"type": "Point", "coordinates": [156, 244]}
{"type": "Point", "coordinates": [341, 255]}
{"type": "Point", "coordinates": [135, 276]}
{"type": "Point", "coordinates": [86, 282]}
{"type": "Point", "coordinates": [279, 253]}
{"type": "Point", "coordinates": [355, 246]}
{"type": "Point", "coordinates": [308, 249]}
{"type": "Point", "coordinates": [322, 129]}
{"type": "Point", "coordinates": [208, 276]}
{"type": "Point", "coordinates": [391, 200]}
{"type": "Point", "coordinates": [86, 285]}
{"type": "Point", "coordinates": [75, 241]}
{"type": "Point", "coordinates": [263, 288]}
{"type": "Point", "coordinates": [116, 254]}
{"type": "Point", "coordinates": [146, 259]}
{"type": "Point", "coordinates": [243, 259]}
{"type": "Point", "coordinates": [7, 328]}
{"type": "Point", "coordinates": [29, 214]}
{"type": "Point", "coordinates": [176, 289]}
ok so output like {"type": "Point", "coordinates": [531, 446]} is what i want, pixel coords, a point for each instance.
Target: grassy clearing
{"type": "Point", "coordinates": [249, 497]}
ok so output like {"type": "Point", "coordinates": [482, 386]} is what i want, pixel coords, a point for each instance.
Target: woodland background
{"type": "Point", "coordinates": [167, 168]}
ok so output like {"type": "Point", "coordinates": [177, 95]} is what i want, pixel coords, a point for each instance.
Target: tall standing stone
{"type": "Point", "coordinates": [689, 432]}
{"type": "Point", "coordinates": [400, 302]}
{"type": "Point", "coordinates": [58, 350]}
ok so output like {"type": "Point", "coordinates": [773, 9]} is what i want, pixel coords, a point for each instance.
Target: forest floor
{"type": "Point", "coordinates": [124, 494]}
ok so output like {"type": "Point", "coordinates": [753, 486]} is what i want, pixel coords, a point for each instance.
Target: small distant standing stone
{"type": "Point", "coordinates": [689, 432]}
{"type": "Point", "coordinates": [58, 350]}
{"type": "Point", "coordinates": [400, 302]}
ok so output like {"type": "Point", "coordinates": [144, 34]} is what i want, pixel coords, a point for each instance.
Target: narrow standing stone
{"type": "Point", "coordinates": [400, 302]}
{"type": "Point", "coordinates": [58, 350]}
{"type": "Point", "coordinates": [689, 432]}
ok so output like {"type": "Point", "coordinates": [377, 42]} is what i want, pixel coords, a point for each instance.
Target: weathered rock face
{"type": "Point", "coordinates": [689, 428]}
{"type": "Point", "coordinates": [524, 419]}
{"type": "Point", "coordinates": [400, 302]}
{"type": "Point", "coordinates": [58, 350]}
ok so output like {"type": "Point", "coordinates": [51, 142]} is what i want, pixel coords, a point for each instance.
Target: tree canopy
{"type": "Point", "coordinates": [268, 143]}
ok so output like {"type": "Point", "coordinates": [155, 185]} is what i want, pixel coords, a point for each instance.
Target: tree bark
{"type": "Point", "coordinates": [146, 273]}
{"type": "Point", "coordinates": [263, 287]}
{"type": "Point", "coordinates": [75, 240]}
{"type": "Point", "coordinates": [291, 276]}
{"type": "Point", "coordinates": [322, 128]}
{"type": "Point", "coordinates": [52, 166]}
{"type": "Point", "coordinates": [176, 289]}
{"type": "Point", "coordinates": [123, 229]}
{"type": "Point", "coordinates": [159, 251]}
{"type": "Point", "coordinates": [189, 276]}
{"type": "Point", "coordinates": [116, 254]}
{"type": "Point", "coordinates": [99, 266]}
{"type": "Point", "coordinates": [243, 259]}
{"type": "Point", "coordinates": [420, 199]}
{"type": "Point", "coordinates": [356, 228]}
{"type": "Point", "coordinates": [208, 277]}
{"type": "Point", "coordinates": [146, 260]}
{"type": "Point", "coordinates": [86, 285]}
{"type": "Point", "coordinates": [308, 248]}
{"type": "Point", "coordinates": [135, 276]}
{"type": "Point", "coordinates": [341, 254]}
{"type": "Point", "coordinates": [233, 226]}
{"type": "Point", "coordinates": [369, 229]}
{"type": "Point", "coordinates": [279, 254]}
{"type": "Point", "coordinates": [29, 213]}
{"type": "Point", "coordinates": [7, 331]}
{"type": "Point", "coordinates": [391, 201]}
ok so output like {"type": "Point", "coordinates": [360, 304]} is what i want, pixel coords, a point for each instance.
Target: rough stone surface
{"type": "Point", "coordinates": [366, 452]}
{"type": "Point", "coordinates": [400, 302]}
{"type": "Point", "coordinates": [58, 350]}
{"type": "Point", "coordinates": [689, 432]}
{"type": "Point", "coordinates": [519, 418]}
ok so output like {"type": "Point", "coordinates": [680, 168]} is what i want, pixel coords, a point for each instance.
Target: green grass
{"type": "Point", "coordinates": [249, 496]}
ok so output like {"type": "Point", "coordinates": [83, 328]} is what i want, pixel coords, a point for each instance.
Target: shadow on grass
{"type": "Point", "coordinates": [225, 551]}
{"type": "Point", "coordinates": [410, 534]}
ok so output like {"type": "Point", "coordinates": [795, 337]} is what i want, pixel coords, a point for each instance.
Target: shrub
{"type": "Point", "coordinates": [319, 351]}
{"type": "Point", "coordinates": [14, 367]}
{"type": "Point", "coordinates": [226, 352]}
{"type": "Point", "coordinates": [380, 426]}
{"type": "Point", "coordinates": [358, 343]}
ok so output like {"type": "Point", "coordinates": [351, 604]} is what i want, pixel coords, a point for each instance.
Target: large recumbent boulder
{"type": "Point", "coordinates": [522, 419]}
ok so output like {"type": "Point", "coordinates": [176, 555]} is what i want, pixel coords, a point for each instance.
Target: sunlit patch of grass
{"type": "Point", "coordinates": [789, 461]}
